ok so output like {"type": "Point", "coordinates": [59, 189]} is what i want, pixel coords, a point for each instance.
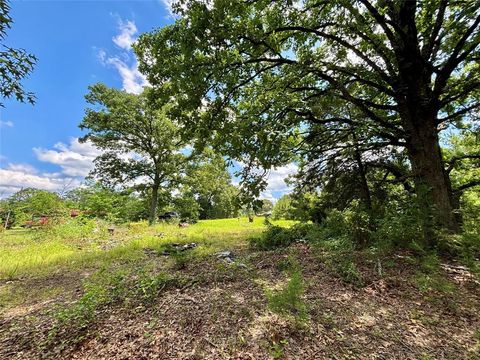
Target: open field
{"type": "Point", "coordinates": [77, 292]}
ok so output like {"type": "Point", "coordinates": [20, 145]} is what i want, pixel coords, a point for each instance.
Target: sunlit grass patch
{"type": "Point", "coordinates": [38, 252]}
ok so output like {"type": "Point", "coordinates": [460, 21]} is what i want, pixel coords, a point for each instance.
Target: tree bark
{"type": "Point", "coordinates": [432, 183]}
{"type": "Point", "coordinates": [364, 189]}
{"type": "Point", "coordinates": [153, 204]}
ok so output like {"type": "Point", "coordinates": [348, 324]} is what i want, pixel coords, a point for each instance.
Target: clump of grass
{"type": "Point", "coordinates": [150, 286]}
{"type": "Point", "coordinates": [343, 266]}
{"type": "Point", "coordinates": [288, 300]}
{"type": "Point", "coordinates": [277, 236]}
{"type": "Point", "coordinates": [277, 348]}
{"type": "Point", "coordinates": [429, 277]}
{"type": "Point", "coordinates": [72, 324]}
{"type": "Point", "coordinates": [338, 255]}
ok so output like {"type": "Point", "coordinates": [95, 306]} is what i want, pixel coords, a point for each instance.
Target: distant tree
{"type": "Point", "coordinates": [15, 64]}
{"type": "Point", "coordinates": [209, 182]}
{"type": "Point", "coordinates": [265, 207]}
{"type": "Point", "coordinates": [265, 74]}
{"type": "Point", "coordinates": [142, 144]}
{"type": "Point", "coordinates": [283, 208]}
{"type": "Point", "coordinates": [98, 201]}
{"type": "Point", "coordinates": [187, 207]}
{"type": "Point", "coordinates": [29, 203]}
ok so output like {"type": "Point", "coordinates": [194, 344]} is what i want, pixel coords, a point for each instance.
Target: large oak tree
{"type": "Point", "coordinates": [142, 145]}
{"type": "Point", "coordinates": [264, 71]}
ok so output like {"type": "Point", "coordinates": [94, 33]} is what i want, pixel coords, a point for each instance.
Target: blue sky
{"type": "Point", "coordinates": [78, 43]}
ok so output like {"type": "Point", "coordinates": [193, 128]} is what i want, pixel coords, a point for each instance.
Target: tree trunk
{"type": "Point", "coordinates": [153, 204]}
{"type": "Point", "coordinates": [432, 183]}
{"type": "Point", "coordinates": [364, 189]}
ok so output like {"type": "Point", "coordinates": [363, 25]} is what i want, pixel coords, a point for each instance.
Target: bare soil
{"type": "Point", "coordinates": [223, 314]}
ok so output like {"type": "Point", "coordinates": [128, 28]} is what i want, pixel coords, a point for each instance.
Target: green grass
{"type": "Point", "coordinates": [27, 253]}
{"type": "Point", "coordinates": [58, 258]}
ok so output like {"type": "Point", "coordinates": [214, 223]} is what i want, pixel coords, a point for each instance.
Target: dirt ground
{"type": "Point", "coordinates": [224, 314]}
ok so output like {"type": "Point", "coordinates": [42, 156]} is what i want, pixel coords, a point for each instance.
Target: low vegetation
{"type": "Point", "coordinates": [277, 284]}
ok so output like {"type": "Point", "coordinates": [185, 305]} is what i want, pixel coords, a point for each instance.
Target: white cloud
{"type": "Point", "coordinates": [23, 168]}
{"type": "Point", "coordinates": [276, 185]}
{"type": "Point", "coordinates": [276, 178]}
{"type": "Point", "coordinates": [168, 4]}
{"type": "Point", "coordinates": [126, 37]}
{"type": "Point", "coordinates": [75, 159]}
{"type": "Point", "coordinates": [132, 80]}
{"type": "Point", "coordinates": [18, 176]}
{"type": "Point", "coordinates": [6, 123]}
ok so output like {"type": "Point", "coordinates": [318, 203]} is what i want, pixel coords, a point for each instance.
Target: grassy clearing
{"type": "Point", "coordinates": [28, 256]}
{"type": "Point", "coordinates": [25, 253]}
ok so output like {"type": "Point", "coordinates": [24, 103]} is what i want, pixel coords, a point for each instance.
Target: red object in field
{"type": "Point", "coordinates": [39, 221]}
{"type": "Point", "coordinates": [74, 213]}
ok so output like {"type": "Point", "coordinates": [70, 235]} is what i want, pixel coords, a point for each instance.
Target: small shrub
{"type": "Point", "coordinates": [181, 259]}
{"type": "Point", "coordinates": [343, 266]}
{"type": "Point", "coordinates": [288, 301]}
{"type": "Point", "coordinates": [277, 348]}
{"type": "Point", "coordinates": [274, 237]}
{"type": "Point", "coordinates": [286, 264]}
{"type": "Point", "coordinates": [149, 286]}
{"type": "Point", "coordinates": [277, 237]}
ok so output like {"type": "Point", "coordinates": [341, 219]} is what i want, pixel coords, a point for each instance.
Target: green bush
{"type": "Point", "coordinates": [352, 223]}
{"type": "Point", "coordinates": [79, 231]}
{"type": "Point", "coordinates": [149, 286]}
{"type": "Point", "coordinates": [342, 265]}
{"type": "Point", "coordinates": [288, 301]}
{"type": "Point", "coordinates": [278, 237]}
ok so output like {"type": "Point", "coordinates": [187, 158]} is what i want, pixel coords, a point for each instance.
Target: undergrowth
{"type": "Point", "coordinates": [288, 300]}
{"type": "Point", "coordinates": [136, 290]}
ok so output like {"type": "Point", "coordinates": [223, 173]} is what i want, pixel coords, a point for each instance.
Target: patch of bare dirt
{"type": "Point", "coordinates": [224, 315]}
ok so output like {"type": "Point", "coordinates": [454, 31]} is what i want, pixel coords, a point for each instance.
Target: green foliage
{"type": "Point", "coordinates": [31, 204]}
{"type": "Point", "coordinates": [265, 207]}
{"type": "Point", "coordinates": [283, 209]}
{"type": "Point", "coordinates": [149, 286]}
{"type": "Point", "coordinates": [352, 224]}
{"type": "Point", "coordinates": [15, 64]}
{"type": "Point", "coordinates": [276, 348]}
{"type": "Point", "coordinates": [187, 207]}
{"type": "Point", "coordinates": [154, 143]}
{"type": "Point", "coordinates": [400, 224]}
{"type": "Point", "coordinates": [79, 231]}
{"type": "Point", "coordinates": [288, 300]}
{"type": "Point", "coordinates": [277, 236]}
{"type": "Point", "coordinates": [342, 264]}
{"type": "Point", "coordinates": [103, 289]}
{"type": "Point", "coordinates": [208, 189]}
{"type": "Point", "coordinates": [97, 201]}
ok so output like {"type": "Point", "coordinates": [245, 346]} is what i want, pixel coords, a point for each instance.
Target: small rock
{"type": "Point", "coordinates": [175, 247]}
{"type": "Point", "coordinates": [224, 254]}
{"type": "Point", "coordinates": [188, 246]}
{"type": "Point", "coordinates": [149, 252]}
